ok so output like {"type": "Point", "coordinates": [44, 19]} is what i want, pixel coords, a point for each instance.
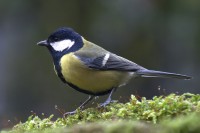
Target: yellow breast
{"type": "Point", "coordinates": [94, 81]}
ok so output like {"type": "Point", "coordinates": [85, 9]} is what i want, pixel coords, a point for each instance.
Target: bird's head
{"type": "Point", "coordinates": [62, 41]}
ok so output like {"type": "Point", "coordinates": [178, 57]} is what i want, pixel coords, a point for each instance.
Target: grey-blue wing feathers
{"type": "Point", "coordinates": [95, 57]}
{"type": "Point", "coordinates": [118, 63]}
{"type": "Point", "coordinates": [110, 61]}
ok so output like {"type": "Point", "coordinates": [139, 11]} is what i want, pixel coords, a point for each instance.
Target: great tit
{"type": "Point", "coordinates": [90, 68]}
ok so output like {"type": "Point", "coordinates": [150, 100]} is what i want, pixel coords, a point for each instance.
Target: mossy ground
{"type": "Point", "coordinates": [172, 113]}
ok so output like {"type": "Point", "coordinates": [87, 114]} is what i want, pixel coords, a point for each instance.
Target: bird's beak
{"type": "Point", "coordinates": [43, 43]}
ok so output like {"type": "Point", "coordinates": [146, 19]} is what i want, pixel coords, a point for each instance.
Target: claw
{"type": "Point", "coordinates": [106, 103]}
{"type": "Point", "coordinates": [80, 107]}
{"type": "Point", "coordinates": [69, 113]}
{"type": "Point", "coordinates": [108, 100]}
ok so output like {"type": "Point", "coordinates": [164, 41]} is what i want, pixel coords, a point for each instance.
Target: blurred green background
{"type": "Point", "coordinates": [157, 34]}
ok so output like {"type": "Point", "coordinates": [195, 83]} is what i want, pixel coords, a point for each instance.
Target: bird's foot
{"type": "Point", "coordinates": [108, 101]}
{"type": "Point", "coordinates": [69, 113]}
{"type": "Point", "coordinates": [79, 108]}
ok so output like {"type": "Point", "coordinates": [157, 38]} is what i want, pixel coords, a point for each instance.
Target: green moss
{"type": "Point", "coordinates": [182, 124]}
{"type": "Point", "coordinates": [136, 115]}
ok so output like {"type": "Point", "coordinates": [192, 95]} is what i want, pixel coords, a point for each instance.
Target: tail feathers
{"type": "Point", "coordinates": [152, 73]}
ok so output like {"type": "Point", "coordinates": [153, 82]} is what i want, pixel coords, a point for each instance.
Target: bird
{"type": "Point", "coordinates": [91, 69]}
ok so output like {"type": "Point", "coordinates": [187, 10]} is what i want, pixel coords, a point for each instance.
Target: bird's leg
{"type": "Point", "coordinates": [80, 107]}
{"type": "Point", "coordinates": [86, 102]}
{"type": "Point", "coordinates": [109, 99]}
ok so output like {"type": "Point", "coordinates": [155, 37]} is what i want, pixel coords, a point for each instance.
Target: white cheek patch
{"type": "Point", "coordinates": [62, 45]}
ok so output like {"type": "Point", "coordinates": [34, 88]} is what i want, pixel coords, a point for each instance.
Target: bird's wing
{"type": "Point", "coordinates": [108, 61]}
{"type": "Point", "coordinates": [95, 57]}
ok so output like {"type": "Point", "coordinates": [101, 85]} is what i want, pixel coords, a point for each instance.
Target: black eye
{"type": "Point", "coordinates": [55, 39]}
